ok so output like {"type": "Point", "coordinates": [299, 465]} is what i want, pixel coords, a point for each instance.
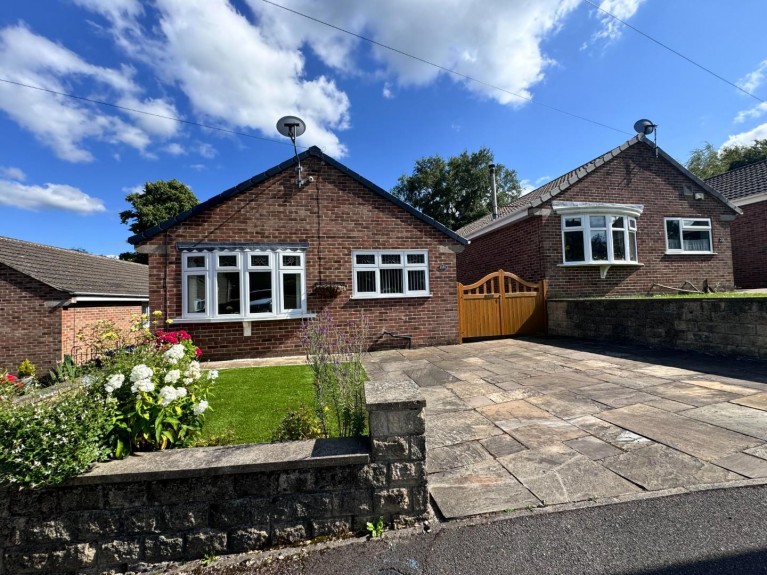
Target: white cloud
{"type": "Point", "coordinates": [65, 124]}
{"type": "Point", "coordinates": [133, 190]}
{"type": "Point", "coordinates": [752, 113]}
{"type": "Point", "coordinates": [175, 149]}
{"type": "Point", "coordinates": [207, 151]}
{"type": "Point", "coordinates": [497, 41]}
{"type": "Point", "coordinates": [153, 124]}
{"type": "Point", "coordinates": [387, 91]}
{"type": "Point", "coordinates": [746, 138]}
{"type": "Point", "coordinates": [56, 196]}
{"type": "Point", "coordinates": [754, 79]}
{"type": "Point", "coordinates": [612, 29]}
{"type": "Point", "coordinates": [530, 185]}
{"type": "Point", "coordinates": [13, 173]}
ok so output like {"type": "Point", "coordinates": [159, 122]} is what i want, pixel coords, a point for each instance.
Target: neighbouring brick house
{"type": "Point", "coordinates": [49, 294]}
{"type": "Point", "coordinates": [619, 224]}
{"type": "Point", "coordinates": [746, 187]}
{"type": "Point", "coordinates": [241, 270]}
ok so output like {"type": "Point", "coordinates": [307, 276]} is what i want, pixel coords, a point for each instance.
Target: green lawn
{"type": "Point", "coordinates": [731, 294]}
{"type": "Point", "coordinates": [247, 404]}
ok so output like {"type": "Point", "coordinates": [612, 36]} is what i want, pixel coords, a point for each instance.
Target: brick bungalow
{"type": "Point", "coordinates": [241, 270]}
{"type": "Point", "coordinates": [619, 224]}
{"type": "Point", "coordinates": [746, 187]}
{"type": "Point", "coordinates": [49, 294]}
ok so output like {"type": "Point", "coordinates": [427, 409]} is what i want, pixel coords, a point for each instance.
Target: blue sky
{"type": "Point", "coordinates": [66, 165]}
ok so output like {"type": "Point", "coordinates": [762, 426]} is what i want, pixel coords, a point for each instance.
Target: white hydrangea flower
{"type": "Point", "coordinates": [174, 354]}
{"type": "Point", "coordinates": [172, 376]}
{"type": "Point", "coordinates": [87, 380]}
{"type": "Point", "coordinates": [115, 381]}
{"type": "Point", "coordinates": [145, 385]}
{"type": "Point", "coordinates": [180, 392]}
{"type": "Point", "coordinates": [188, 380]}
{"type": "Point", "coordinates": [201, 407]}
{"type": "Point", "coordinates": [213, 374]}
{"type": "Point", "coordinates": [141, 372]}
{"type": "Point", "coordinates": [167, 395]}
{"type": "Point", "coordinates": [194, 370]}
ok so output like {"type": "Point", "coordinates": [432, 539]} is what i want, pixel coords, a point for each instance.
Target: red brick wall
{"type": "Point", "coordinates": [749, 240]}
{"type": "Point", "coordinates": [636, 176]}
{"type": "Point", "coordinates": [28, 329]}
{"type": "Point", "coordinates": [82, 316]}
{"type": "Point", "coordinates": [334, 215]}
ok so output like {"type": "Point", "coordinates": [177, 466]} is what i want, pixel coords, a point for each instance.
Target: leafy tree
{"type": "Point", "coordinates": [706, 162]}
{"type": "Point", "coordinates": [456, 191]}
{"type": "Point", "coordinates": [157, 202]}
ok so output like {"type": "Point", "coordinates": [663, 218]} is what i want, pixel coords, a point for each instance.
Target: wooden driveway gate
{"type": "Point", "coordinates": [501, 303]}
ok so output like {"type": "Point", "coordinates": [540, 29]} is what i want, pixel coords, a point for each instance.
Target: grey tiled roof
{"type": "Point", "coordinates": [741, 182]}
{"type": "Point", "coordinates": [557, 185]}
{"type": "Point", "coordinates": [74, 272]}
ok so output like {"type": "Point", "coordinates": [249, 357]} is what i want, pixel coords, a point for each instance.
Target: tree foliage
{"type": "Point", "coordinates": [157, 202]}
{"type": "Point", "coordinates": [706, 161]}
{"type": "Point", "coordinates": [456, 191]}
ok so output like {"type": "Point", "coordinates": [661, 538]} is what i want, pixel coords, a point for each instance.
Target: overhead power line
{"type": "Point", "coordinates": [145, 113]}
{"type": "Point", "coordinates": [444, 68]}
{"type": "Point", "coordinates": [670, 49]}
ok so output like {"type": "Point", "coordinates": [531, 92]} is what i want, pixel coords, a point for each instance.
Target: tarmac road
{"type": "Point", "coordinates": [707, 532]}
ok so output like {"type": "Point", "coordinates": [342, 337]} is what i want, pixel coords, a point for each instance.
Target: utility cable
{"type": "Point", "coordinates": [145, 113]}
{"type": "Point", "coordinates": [670, 49]}
{"type": "Point", "coordinates": [444, 68]}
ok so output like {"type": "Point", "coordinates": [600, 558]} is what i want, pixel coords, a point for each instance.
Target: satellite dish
{"type": "Point", "coordinates": [645, 127]}
{"type": "Point", "coordinates": [291, 126]}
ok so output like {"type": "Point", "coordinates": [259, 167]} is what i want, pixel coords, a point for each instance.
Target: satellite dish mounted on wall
{"type": "Point", "coordinates": [292, 127]}
{"type": "Point", "coordinates": [645, 127]}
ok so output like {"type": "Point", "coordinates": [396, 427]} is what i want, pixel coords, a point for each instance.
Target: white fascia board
{"type": "Point", "coordinates": [755, 199]}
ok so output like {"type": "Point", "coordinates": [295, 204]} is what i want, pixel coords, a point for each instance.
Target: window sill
{"type": "Point", "coordinates": [691, 253]}
{"type": "Point", "coordinates": [240, 319]}
{"type": "Point", "coordinates": [603, 267]}
{"type": "Point", "coordinates": [391, 296]}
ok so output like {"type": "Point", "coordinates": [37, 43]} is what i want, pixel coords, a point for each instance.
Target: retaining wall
{"type": "Point", "coordinates": [720, 326]}
{"type": "Point", "coordinates": [183, 504]}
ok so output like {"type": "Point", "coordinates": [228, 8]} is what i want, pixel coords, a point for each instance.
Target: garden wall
{"type": "Point", "coordinates": [720, 326]}
{"type": "Point", "coordinates": [186, 503]}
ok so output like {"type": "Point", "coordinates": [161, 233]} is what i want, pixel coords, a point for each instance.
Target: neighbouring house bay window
{"type": "Point", "coordinates": [243, 284]}
{"type": "Point", "coordinates": [688, 236]}
{"type": "Point", "coordinates": [386, 273]}
{"type": "Point", "coordinates": [598, 233]}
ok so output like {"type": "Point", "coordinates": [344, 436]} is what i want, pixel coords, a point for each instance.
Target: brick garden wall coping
{"type": "Point", "coordinates": [183, 504]}
{"type": "Point", "coordinates": [719, 326]}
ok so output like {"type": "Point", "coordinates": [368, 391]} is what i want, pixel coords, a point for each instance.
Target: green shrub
{"type": "Point", "coordinates": [297, 425]}
{"type": "Point", "coordinates": [26, 369]}
{"type": "Point", "coordinates": [52, 439]}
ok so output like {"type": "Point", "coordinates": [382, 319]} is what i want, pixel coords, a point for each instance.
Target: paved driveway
{"type": "Point", "coordinates": [523, 423]}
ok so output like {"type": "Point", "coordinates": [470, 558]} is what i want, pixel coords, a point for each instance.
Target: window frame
{"type": "Point", "coordinates": [377, 266]}
{"type": "Point", "coordinates": [682, 228]}
{"type": "Point", "coordinates": [212, 268]}
{"type": "Point", "coordinates": [629, 230]}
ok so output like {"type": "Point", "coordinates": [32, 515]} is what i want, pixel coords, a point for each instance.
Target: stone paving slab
{"type": "Point", "coordinates": [477, 489]}
{"type": "Point", "coordinates": [557, 474]}
{"type": "Point", "coordinates": [593, 447]}
{"type": "Point", "coordinates": [747, 465]}
{"type": "Point", "coordinates": [746, 420]}
{"type": "Point", "coordinates": [659, 467]}
{"type": "Point", "coordinates": [511, 422]}
{"type": "Point", "coordinates": [458, 427]}
{"type": "Point", "coordinates": [696, 438]}
{"type": "Point", "coordinates": [758, 401]}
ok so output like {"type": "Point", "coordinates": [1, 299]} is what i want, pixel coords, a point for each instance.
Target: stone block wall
{"type": "Point", "coordinates": [182, 504]}
{"type": "Point", "coordinates": [732, 326]}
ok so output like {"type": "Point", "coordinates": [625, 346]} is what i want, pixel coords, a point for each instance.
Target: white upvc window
{"type": "Point", "coordinates": [389, 273]}
{"type": "Point", "coordinates": [688, 236]}
{"type": "Point", "coordinates": [599, 239]}
{"type": "Point", "coordinates": [243, 284]}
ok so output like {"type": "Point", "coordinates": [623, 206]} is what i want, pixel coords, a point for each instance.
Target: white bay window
{"type": "Point", "coordinates": [386, 273]}
{"type": "Point", "coordinates": [256, 283]}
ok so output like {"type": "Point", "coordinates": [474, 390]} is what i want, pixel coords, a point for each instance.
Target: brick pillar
{"type": "Point", "coordinates": [398, 447]}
